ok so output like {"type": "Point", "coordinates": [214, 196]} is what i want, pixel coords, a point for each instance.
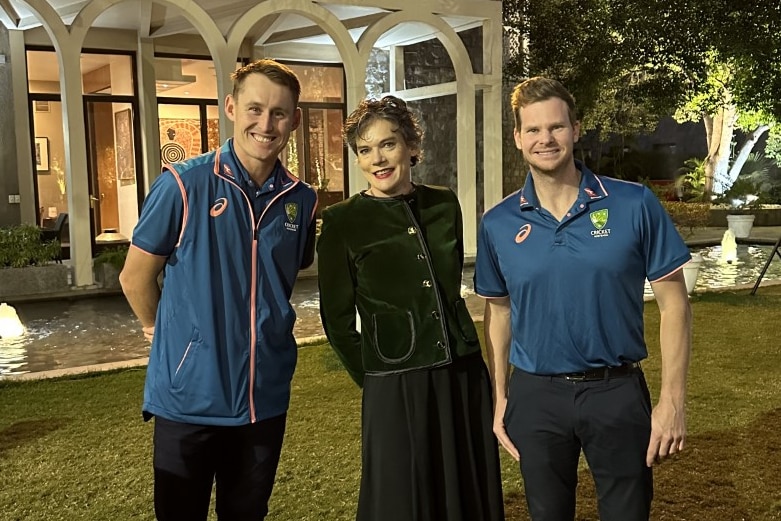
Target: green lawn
{"type": "Point", "coordinates": [77, 449]}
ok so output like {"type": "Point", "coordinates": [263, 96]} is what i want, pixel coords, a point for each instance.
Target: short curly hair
{"type": "Point", "coordinates": [389, 108]}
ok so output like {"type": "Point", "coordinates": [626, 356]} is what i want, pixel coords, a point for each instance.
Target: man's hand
{"type": "Point", "coordinates": [501, 433]}
{"type": "Point", "coordinates": [668, 432]}
{"type": "Point", "coordinates": [149, 332]}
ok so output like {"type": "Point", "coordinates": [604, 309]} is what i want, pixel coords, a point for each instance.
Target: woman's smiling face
{"type": "Point", "coordinates": [385, 158]}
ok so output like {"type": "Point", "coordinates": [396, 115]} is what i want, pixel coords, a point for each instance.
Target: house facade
{"type": "Point", "coordinates": [105, 91]}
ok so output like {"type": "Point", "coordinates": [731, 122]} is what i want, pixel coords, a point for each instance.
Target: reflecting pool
{"type": "Point", "coordinates": [717, 273]}
{"type": "Point", "coordinates": [74, 333]}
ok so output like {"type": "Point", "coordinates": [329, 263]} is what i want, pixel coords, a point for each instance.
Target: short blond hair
{"type": "Point", "coordinates": [277, 72]}
{"type": "Point", "coordinates": [540, 89]}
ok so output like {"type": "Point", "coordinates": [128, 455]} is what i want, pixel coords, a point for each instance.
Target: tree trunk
{"type": "Point", "coordinates": [707, 120]}
{"type": "Point", "coordinates": [719, 143]}
{"type": "Point", "coordinates": [745, 150]}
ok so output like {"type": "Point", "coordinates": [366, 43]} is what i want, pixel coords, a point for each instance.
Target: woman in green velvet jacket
{"type": "Point", "coordinates": [395, 254]}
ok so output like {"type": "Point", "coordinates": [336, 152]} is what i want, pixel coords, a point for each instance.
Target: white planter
{"type": "Point", "coordinates": [740, 225]}
{"type": "Point", "coordinates": [691, 270]}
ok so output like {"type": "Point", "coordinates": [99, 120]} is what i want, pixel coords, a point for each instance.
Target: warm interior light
{"type": "Point", "coordinates": [10, 325]}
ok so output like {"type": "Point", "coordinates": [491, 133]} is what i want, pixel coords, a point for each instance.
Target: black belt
{"type": "Point", "coordinates": [600, 373]}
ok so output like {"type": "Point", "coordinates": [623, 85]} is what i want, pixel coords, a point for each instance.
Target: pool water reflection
{"type": "Point", "coordinates": [74, 333]}
{"type": "Point", "coordinates": [716, 273]}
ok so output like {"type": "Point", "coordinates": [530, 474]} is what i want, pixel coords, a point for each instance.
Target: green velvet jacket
{"type": "Point", "coordinates": [398, 261]}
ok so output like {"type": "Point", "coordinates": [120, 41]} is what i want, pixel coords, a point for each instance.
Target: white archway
{"type": "Point", "coordinates": [465, 88]}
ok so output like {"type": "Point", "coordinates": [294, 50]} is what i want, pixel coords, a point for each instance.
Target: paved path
{"type": "Point", "coordinates": [710, 236]}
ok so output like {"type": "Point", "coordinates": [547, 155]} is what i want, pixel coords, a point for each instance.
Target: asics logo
{"type": "Point", "coordinates": [219, 206]}
{"type": "Point", "coordinates": [523, 233]}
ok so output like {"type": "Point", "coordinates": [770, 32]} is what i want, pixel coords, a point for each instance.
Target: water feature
{"type": "Point", "coordinates": [745, 269]}
{"type": "Point", "coordinates": [73, 333]}
{"type": "Point", "coordinates": [724, 269]}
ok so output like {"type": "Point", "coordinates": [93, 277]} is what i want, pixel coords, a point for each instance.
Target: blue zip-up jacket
{"type": "Point", "coordinates": [223, 351]}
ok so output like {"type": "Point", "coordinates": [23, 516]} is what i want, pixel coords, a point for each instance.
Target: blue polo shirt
{"type": "Point", "coordinates": [576, 286]}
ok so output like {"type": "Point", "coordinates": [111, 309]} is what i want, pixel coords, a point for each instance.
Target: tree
{"type": "Point", "coordinates": [722, 113]}
{"type": "Point", "coordinates": [751, 42]}
{"type": "Point", "coordinates": [629, 63]}
{"type": "Point", "coordinates": [742, 87]}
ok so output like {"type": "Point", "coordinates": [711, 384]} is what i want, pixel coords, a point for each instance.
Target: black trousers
{"type": "Point", "coordinates": [189, 459]}
{"type": "Point", "coordinates": [550, 420]}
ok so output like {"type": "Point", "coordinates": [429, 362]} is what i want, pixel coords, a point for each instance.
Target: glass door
{"type": "Point", "coordinates": [111, 161]}
{"type": "Point", "coordinates": [316, 152]}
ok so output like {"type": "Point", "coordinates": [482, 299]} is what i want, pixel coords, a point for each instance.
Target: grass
{"type": "Point", "coordinates": [77, 449]}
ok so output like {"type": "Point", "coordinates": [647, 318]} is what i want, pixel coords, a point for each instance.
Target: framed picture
{"type": "Point", "coordinates": [123, 143]}
{"type": "Point", "coordinates": [42, 154]}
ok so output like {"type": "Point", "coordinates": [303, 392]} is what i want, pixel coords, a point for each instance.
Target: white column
{"type": "Point", "coordinates": [147, 105]}
{"type": "Point", "coordinates": [492, 112]}
{"type": "Point", "coordinates": [467, 162]}
{"type": "Point", "coordinates": [76, 174]}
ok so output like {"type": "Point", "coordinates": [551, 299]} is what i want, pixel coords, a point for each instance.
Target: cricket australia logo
{"type": "Point", "coordinates": [291, 210]}
{"type": "Point", "coordinates": [599, 220]}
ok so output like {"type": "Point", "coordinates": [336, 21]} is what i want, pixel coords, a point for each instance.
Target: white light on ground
{"type": "Point", "coordinates": [10, 325]}
{"type": "Point", "coordinates": [729, 247]}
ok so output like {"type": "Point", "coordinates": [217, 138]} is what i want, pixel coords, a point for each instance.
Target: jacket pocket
{"type": "Point", "coordinates": [466, 325]}
{"type": "Point", "coordinates": [394, 336]}
{"type": "Point", "coordinates": [185, 365]}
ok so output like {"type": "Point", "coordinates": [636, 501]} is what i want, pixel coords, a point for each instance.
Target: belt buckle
{"type": "Point", "coordinates": [575, 377]}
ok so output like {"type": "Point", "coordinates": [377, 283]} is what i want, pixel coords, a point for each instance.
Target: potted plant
{"type": "Point", "coordinates": [741, 201]}
{"type": "Point", "coordinates": [107, 264]}
{"type": "Point", "coordinates": [746, 194]}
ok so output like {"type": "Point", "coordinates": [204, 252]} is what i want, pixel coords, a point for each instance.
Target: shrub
{"type": "Point", "coordinates": [691, 179]}
{"type": "Point", "coordinates": [22, 246]}
{"type": "Point", "coordinates": [113, 256]}
{"type": "Point", "coordinates": [687, 216]}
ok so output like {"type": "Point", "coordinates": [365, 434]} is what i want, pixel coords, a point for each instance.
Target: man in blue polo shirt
{"type": "Point", "coordinates": [562, 264]}
{"type": "Point", "coordinates": [229, 230]}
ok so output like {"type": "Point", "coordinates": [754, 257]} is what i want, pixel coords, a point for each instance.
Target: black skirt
{"type": "Point", "coordinates": [429, 452]}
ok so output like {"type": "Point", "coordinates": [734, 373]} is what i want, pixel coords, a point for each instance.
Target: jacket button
{"type": "Point", "coordinates": [441, 345]}
{"type": "Point", "coordinates": [435, 315]}
{"type": "Point", "coordinates": [426, 283]}
{"type": "Point", "coordinates": [411, 230]}
{"type": "Point", "coordinates": [421, 256]}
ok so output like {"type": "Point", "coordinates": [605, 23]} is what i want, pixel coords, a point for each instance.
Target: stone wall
{"type": "Point", "coordinates": [428, 63]}
{"type": "Point", "coordinates": [762, 216]}
{"type": "Point", "coordinates": [34, 281]}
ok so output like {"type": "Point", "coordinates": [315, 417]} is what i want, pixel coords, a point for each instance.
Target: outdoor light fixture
{"type": "Point", "coordinates": [10, 325]}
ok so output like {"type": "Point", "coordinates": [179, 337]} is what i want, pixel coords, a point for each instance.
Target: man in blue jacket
{"type": "Point", "coordinates": [229, 229]}
{"type": "Point", "coordinates": [562, 264]}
